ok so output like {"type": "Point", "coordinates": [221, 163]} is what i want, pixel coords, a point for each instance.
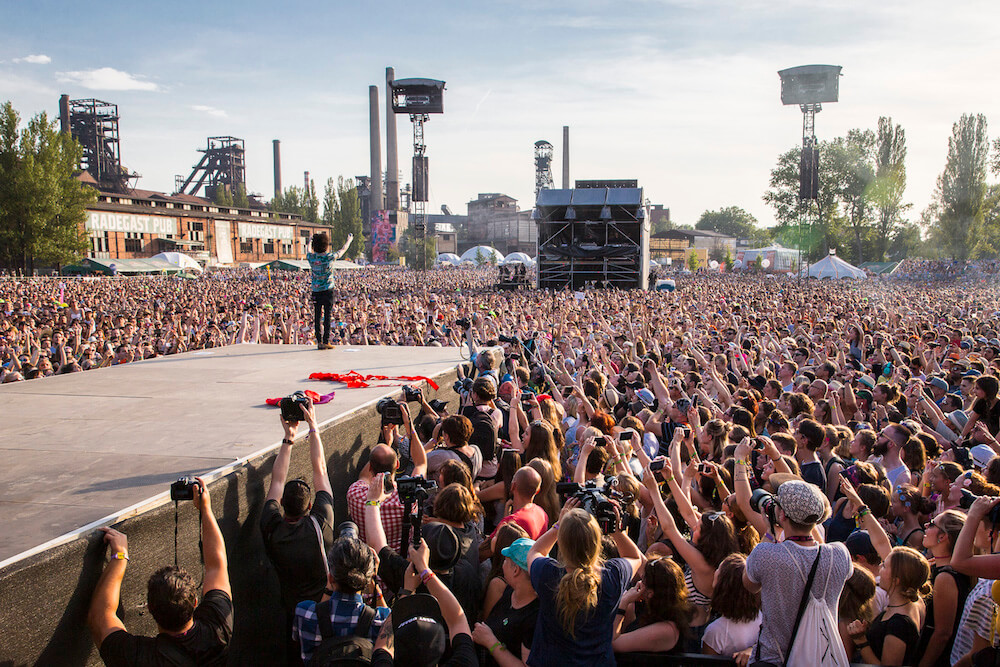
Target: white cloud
{"type": "Point", "coordinates": [106, 78]}
{"type": "Point", "coordinates": [37, 59]}
{"type": "Point", "coordinates": [211, 111]}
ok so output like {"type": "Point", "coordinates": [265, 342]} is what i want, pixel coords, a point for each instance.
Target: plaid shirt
{"type": "Point", "coordinates": [345, 612]}
{"type": "Point", "coordinates": [391, 512]}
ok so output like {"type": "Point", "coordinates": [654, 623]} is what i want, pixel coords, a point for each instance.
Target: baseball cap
{"type": "Point", "coordinates": [801, 501]}
{"type": "Point", "coordinates": [518, 551]}
{"type": "Point", "coordinates": [859, 543]}
{"type": "Point", "coordinates": [438, 404]}
{"type": "Point", "coordinates": [419, 631]}
{"type": "Point", "coordinates": [939, 383]}
{"type": "Point", "coordinates": [981, 455]}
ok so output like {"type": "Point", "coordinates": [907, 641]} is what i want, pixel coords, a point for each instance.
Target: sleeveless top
{"type": "Point", "coordinates": [695, 596]}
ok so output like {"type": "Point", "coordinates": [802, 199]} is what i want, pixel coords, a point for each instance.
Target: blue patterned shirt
{"type": "Point", "coordinates": [345, 612]}
{"type": "Point", "coordinates": [322, 273]}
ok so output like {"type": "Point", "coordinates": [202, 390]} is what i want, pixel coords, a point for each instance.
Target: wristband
{"type": "Point", "coordinates": [669, 479]}
{"type": "Point", "coordinates": [373, 503]}
{"type": "Point", "coordinates": [286, 441]}
{"type": "Point", "coordinates": [620, 612]}
{"type": "Point", "coordinates": [120, 555]}
{"type": "Point", "coordinates": [312, 430]}
{"type": "Point", "coordinates": [498, 645]}
{"type": "Point", "coordinates": [862, 512]}
{"type": "Point", "coordinates": [554, 526]}
{"type": "Point", "coordinates": [426, 576]}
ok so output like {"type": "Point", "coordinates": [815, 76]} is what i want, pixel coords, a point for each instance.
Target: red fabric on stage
{"type": "Point", "coordinates": [355, 380]}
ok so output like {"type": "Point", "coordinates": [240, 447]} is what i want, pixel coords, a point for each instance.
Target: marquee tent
{"type": "Point", "coordinates": [832, 266]}
{"type": "Point", "coordinates": [180, 260]}
{"type": "Point", "coordinates": [481, 255]}
{"type": "Point", "coordinates": [517, 258]}
{"type": "Point", "coordinates": [449, 258]}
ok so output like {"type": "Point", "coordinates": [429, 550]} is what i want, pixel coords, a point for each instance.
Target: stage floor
{"type": "Point", "coordinates": [85, 447]}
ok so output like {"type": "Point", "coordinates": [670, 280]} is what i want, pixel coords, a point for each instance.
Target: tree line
{"type": "Point", "coordinates": [861, 211]}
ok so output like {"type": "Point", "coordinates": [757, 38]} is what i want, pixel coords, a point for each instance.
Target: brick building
{"type": "Point", "coordinates": [143, 223]}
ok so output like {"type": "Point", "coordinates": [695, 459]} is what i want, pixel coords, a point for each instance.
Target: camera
{"type": "Point", "coordinates": [765, 504]}
{"type": "Point", "coordinates": [390, 410]}
{"type": "Point", "coordinates": [705, 468]}
{"type": "Point", "coordinates": [657, 465]}
{"type": "Point", "coordinates": [293, 408]}
{"type": "Point", "coordinates": [412, 489]}
{"type": "Point", "coordinates": [464, 322]}
{"type": "Point", "coordinates": [462, 385]}
{"type": "Point", "coordinates": [968, 497]}
{"type": "Point", "coordinates": [513, 340]}
{"type": "Point", "coordinates": [183, 489]}
{"type": "Point", "coordinates": [411, 393]}
{"type": "Point", "coordinates": [602, 504]}
{"type": "Point", "coordinates": [600, 441]}
{"type": "Point", "coordinates": [348, 529]}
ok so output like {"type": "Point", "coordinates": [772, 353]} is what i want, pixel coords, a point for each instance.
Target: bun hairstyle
{"type": "Point", "coordinates": [857, 600]}
{"type": "Point", "coordinates": [580, 549]}
{"type": "Point", "coordinates": [912, 500]}
{"type": "Point", "coordinates": [950, 522]}
{"type": "Point", "coordinates": [911, 573]}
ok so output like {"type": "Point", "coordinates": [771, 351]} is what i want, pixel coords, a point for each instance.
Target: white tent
{"type": "Point", "coordinates": [179, 259]}
{"type": "Point", "coordinates": [832, 266]}
{"type": "Point", "coordinates": [483, 252]}
{"type": "Point", "coordinates": [778, 257]}
{"type": "Point", "coordinates": [448, 257]}
{"type": "Point", "coordinates": [517, 258]}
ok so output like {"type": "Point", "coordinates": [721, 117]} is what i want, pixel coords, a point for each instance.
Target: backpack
{"type": "Point", "coordinates": [817, 641]}
{"type": "Point", "coordinates": [354, 649]}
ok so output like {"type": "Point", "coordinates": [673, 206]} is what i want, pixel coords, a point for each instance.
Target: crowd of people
{"type": "Point", "coordinates": [762, 470]}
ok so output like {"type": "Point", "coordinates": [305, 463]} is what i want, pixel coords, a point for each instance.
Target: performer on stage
{"type": "Point", "coordinates": [322, 284]}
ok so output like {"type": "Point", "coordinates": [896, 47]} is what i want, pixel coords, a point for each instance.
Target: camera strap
{"type": "Point", "coordinates": [322, 546]}
{"type": "Point", "coordinates": [201, 546]}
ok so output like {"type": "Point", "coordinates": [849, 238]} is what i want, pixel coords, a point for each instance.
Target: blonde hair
{"type": "Point", "coordinates": [580, 552]}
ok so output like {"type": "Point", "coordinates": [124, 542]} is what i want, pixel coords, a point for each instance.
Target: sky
{"type": "Point", "coordinates": [682, 95]}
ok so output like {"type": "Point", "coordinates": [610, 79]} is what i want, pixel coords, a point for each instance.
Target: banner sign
{"type": "Point", "coordinates": [250, 230]}
{"type": "Point", "coordinates": [100, 221]}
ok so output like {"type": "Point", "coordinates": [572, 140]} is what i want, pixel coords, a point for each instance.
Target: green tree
{"type": "Point", "coordinates": [42, 205]}
{"type": "Point", "coordinates": [411, 249]}
{"type": "Point", "coordinates": [222, 196]}
{"type": "Point", "coordinates": [240, 199]}
{"type": "Point", "coordinates": [342, 212]}
{"type": "Point", "coordinates": [728, 260]}
{"type": "Point", "coordinates": [692, 261]}
{"type": "Point", "coordinates": [961, 190]}
{"type": "Point", "coordinates": [852, 165]}
{"type": "Point", "coordinates": [731, 220]}
{"type": "Point", "coordinates": [300, 200]}
{"type": "Point", "coordinates": [886, 191]}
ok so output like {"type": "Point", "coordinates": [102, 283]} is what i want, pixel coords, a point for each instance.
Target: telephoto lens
{"type": "Point", "coordinates": [348, 529]}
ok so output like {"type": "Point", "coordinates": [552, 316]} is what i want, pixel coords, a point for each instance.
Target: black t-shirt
{"type": "Point", "coordinates": [206, 643]}
{"type": "Point", "coordinates": [900, 626]}
{"type": "Point", "coordinates": [813, 473]}
{"type": "Point", "coordinates": [991, 418]}
{"type": "Point", "coordinates": [294, 549]}
{"type": "Point", "coordinates": [514, 627]}
{"type": "Point", "coordinates": [463, 581]}
{"type": "Point", "coordinates": [463, 654]}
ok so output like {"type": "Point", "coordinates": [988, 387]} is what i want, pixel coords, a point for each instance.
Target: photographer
{"type": "Point", "coordinates": [382, 459]}
{"type": "Point", "coordinates": [190, 632]}
{"type": "Point", "coordinates": [352, 569]}
{"type": "Point", "coordinates": [297, 533]}
{"type": "Point", "coordinates": [455, 432]}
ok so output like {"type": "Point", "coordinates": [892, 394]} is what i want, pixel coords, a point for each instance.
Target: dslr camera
{"type": "Point", "coordinates": [411, 489]}
{"type": "Point", "coordinates": [993, 516]}
{"type": "Point", "coordinates": [293, 408]}
{"type": "Point", "coordinates": [464, 322]}
{"type": "Point", "coordinates": [183, 489]}
{"type": "Point", "coordinates": [765, 504]}
{"type": "Point", "coordinates": [513, 340]}
{"type": "Point", "coordinates": [462, 385]}
{"type": "Point", "coordinates": [411, 393]}
{"type": "Point", "coordinates": [600, 503]}
{"type": "Point", "coordinates": [390, 411]}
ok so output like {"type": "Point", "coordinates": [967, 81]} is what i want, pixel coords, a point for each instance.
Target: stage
{"type": "Point", "coordinates": [92, 448]}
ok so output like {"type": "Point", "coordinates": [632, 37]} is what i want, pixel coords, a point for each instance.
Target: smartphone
{"type": "Point", "coordinates": [387, 483]}
{"type": "Point", "coordinates": [600, 441]}
{"type": "Point", "coordinates": [626, 436]}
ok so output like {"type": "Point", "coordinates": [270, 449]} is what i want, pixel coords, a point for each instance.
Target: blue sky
{"type": "Point", "coordinates": [680, 94]}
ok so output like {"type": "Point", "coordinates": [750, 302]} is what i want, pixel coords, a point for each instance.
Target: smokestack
{"type": "Point", "coordinates": [375, 140]}
{"type": "Point", "coordinates": [305, 179]}
{"type": "Point", "coordinates": [64, 114]}
{"type": "Point", "coordinates": [391, 159]}
{"type": "Point", "coordinates": [277, 167]}
{"type": "Point", "coordinates": [565, 182]}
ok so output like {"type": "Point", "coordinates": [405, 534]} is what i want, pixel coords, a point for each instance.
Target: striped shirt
{"type": "Point", "coordinates": [345, 612]}
{"type": "Point", "coordinates": [977, 620]}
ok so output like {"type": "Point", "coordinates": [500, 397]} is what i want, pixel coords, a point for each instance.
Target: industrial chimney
{"type": "Point", "coordinates": [277, 167]}
{"type": "Point", "coordinates": [375, 140]}
{"type": "Point", "coordinates": [565, 180]}
{"type": "Point", "coordinates": [64, 114]}
{"type": "Point", "coordinates": [391, 159]}
{"type": "Point", "coordinates": [305, 180]}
